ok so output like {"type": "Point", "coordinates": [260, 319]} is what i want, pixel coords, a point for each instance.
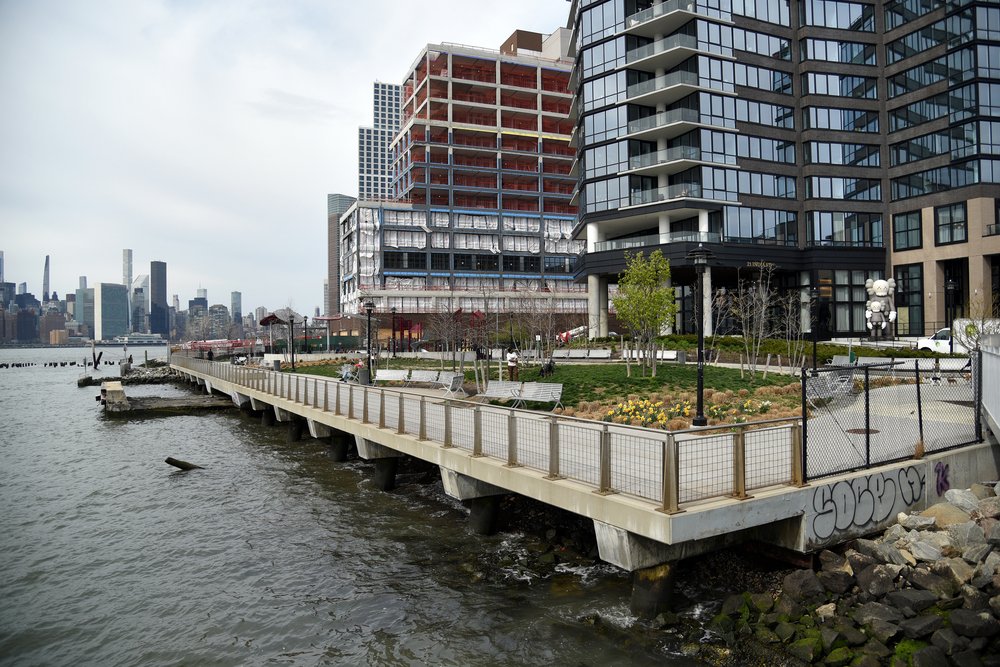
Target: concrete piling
{"type": "Point", "coordinates": [339, 444]}
{"type": "Point", "coordinates": [653, 590]}
{"type": "Point", "coordinates": [385, 473]}
{"type": "Point", "coordinates": [483, 513]}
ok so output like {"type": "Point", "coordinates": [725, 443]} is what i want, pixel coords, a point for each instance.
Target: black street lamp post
{"type": "Point", "coordinates": [699, 257]}
{"type": "Point", "coordinates": [949, 312]}
{"type": "Point", "coordinates": [813, 321]}
{"type": "Point", "coordinates": [393, 311]}
{"type": "Point", "coordinates": [369, 307]}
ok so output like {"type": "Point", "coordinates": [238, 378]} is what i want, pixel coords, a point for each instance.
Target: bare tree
{"type": "Point", "coordinates": [750, 306]}
{"type": "Point", "coordinates": [790, 322]}
{"type": "Point", "coordinates": [981, 321]}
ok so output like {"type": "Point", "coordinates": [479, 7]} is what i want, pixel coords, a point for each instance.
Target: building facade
{"type": "Point", "coordinates": [159, 321]}
{"type": "Point", "coordinates": [110, 311]}
{"type": "Point", "coordinates": [373, 143]}
{"type": "Point", "coordinates": [336, 206]}
{"type": "Point", "coordinates": [482, 184]}
{"type": "Point", "coordinates": [806, 135]}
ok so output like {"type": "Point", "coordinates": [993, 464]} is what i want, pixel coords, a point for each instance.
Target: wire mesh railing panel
{"type": "Point", "coordinates": [949, 409]}
{"type": "Point", "coordinates": [391, 410]}
{"type": "Point", "coordinates": [706, 465]}
{"type": "Point", "coordinates": [533, 442]}
{"type": "Point", "coordinates": [434, 422]}
{"type": "Point", "coordinates": [463, 427]}
{"type": "Point", "coordinates": [987, 374]}
{"type": "Point", "coordinates": [768, 456]}
{"type": "Point", "coordinates": [411, 414]}
{"type": "Point", "coordinates": [494, 433]}
{"type": "Point", "coordinates": [580, 453]}
{"type": "Point", "coordinates": [637, 465]}
{"type": "Point", "coordinates": [892, 429]}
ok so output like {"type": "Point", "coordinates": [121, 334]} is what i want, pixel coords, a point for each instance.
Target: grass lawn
{"type": "Point", "coordinates": [668, 401]}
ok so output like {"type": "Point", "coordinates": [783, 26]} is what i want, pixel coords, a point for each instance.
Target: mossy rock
{"type": "Point", "coordinates": [839, 657]}
{"type": "Point", "coordinates": [766, 636]}
{"type": "Point", "coordinates": [785, 631]}
{"type": "Point", "coordinates": [905, 650]}
{"type": "Point", "coordinates": [721, 624]}
{"type": "Point", "coordinates": [806, 649]}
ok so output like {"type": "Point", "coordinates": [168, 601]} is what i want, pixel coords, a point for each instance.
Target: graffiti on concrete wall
{"type": "Point", "coordinates": [941, 476]}
{"type": "Point", "coordinates": [858, 505]}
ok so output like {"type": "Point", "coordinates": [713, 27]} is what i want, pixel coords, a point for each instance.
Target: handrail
{"type": "Point", "coordinates": [666, 468]}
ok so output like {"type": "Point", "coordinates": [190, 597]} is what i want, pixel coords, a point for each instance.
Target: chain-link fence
{"type": "Point", "coordinates": [862, 415]}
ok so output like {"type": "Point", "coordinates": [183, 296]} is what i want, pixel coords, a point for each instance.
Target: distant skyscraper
{"type": "Point", "coordinates": [373, 143]}
{"type": "Point", "coordinates": [127, 279]}
{"type": "Point", "coordinates": [177, 303]}
{"type": "Point", "coordinates": [22, 288]}
{"type": "Point", "coordinates": [45, 281]}
{"type": "Point", "coordinates": [201, 293]}
{"type": "Point", "coordinates": [83, 282]}
{"type": "Point", "coordinates": [110, 311]}
{"type": "Point", "coordinates": [1, 266]}
{"type": "Point", "coordinates": [84, 309]}
{"type": "Point", "coordinates": [159, 322]}
{"type": "Point", "coordinates": [236, 311]}
{"type": "Point", "coordinates": [336, 206]}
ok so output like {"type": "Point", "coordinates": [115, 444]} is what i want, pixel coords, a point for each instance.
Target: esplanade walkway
{"type": "Point", "coordinates": [654, 496]}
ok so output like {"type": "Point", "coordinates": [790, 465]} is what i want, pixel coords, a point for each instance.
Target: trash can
{"type": "Point", "coordinates": [364, 376]}
{"type": "Point", "coordinates": [277, 365]}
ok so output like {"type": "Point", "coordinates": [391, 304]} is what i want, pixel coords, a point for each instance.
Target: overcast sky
{"type": "Point", "coordinates": [202, 133]}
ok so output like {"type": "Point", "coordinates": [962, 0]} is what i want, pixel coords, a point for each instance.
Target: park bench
{"type": "Point", "coordinates": [561, 353]}
{"type": "Point", "coordinates": [450, 381]}
{"type": "Point", "coordinates": [390, 375]}
{"type": "Point", "coordinates": [600, 353]}
{"type": "Point", "coordinates": [540, 392]}
{"type": "Point", "coordinates": [423, 377]}
{"type": "Point", "coordinates": [829, 385]}
{"type": "Point", "coordinates": [501, 390]}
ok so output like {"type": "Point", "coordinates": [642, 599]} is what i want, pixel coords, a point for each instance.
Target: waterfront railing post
{"type": "Point", "coordinates": [798, 476]}
{"type": "Point", "coordinates": [605, 461]}
{"type": "Point", "coordinates": [364, 406]}
{"type": "Point", "coordinates": [447, 424]}
{"type": "Point", "coordinates": [326, 396]}
{"type": "Point", "coordinates": [553, 448]}
{"type": "Point", "coordinates": [350, 402]}
{"type": "Point", "coordinates": [422, 430]}
{"type": "Point", "coordinates": [477, 431]}
{"type": "Point", "coordinates": [381, 408]}
{"type": "Point", "coordinates": [297, 383]}
{"type": "Point", "coordinates": [401, 415]}
{"type": "Point", "coordinates": [739, 463]}
{"type": "Point", "coordinates": [336, 398]}
{"type": "Point", "coordinates": [511, 439]}
{"type": "Point", "coordinates": [305, 397]}
{"type": "Point", "coordinates": [316, 392]}
{"type": "Point", "coordinates": [671, 488]}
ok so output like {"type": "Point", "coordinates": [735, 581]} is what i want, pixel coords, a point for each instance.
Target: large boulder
{"type": "Point", "coordinates": [969, 623]}
{"type": "Point", "coordinates": [955, 570]}
{"type": "Point", "coordinates": [836, 581]}
{"type": "Point", "coordinates": [872, 611]}
{"type": "Point", "coordinates": [911, 601]}
{"type": "Point", "coordinates": [988, 508]}
{"type": "Point", "coordinates": [915, 521]}
{"type": "Point", "coordinates": [921, 626]}
{"type": "Point", "coordinates": [939, 586]}
{"type": "Point", "coordinates": [966, 534]}
{"type": "Point", "coordinates": [925, 551]}
{"type": "Point", "coordinates": [948, 641]}
{"type": "Point", "coordinates": [803, 585]}
{"type": "Point", "coordinates": [945, 514]}
{"type": "Point", "coordinates": [963, 499]}
{"type": "Point", "coordinates": [878, 580]}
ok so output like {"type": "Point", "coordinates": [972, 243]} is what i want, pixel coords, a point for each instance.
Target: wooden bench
{"type": "Point", "coordinates": [540, 392]}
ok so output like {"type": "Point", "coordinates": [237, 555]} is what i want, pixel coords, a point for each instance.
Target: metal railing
{"type": "Point", "coordinates": [665, 81]}
{"type": "Point", "coordinates": [990, 396]}
{"type": "Point", "coordinates": [665, 44]}
{"type": "Point", "coordinates": [665, 118]}
{"type": "Point", "coordinates": [666, 468]}
{"type": "Point", "coordinates": [664, 156]}
{"type": "Point", "coordinates": [658, 239]}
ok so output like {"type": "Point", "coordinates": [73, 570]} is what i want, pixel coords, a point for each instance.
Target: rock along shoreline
{"type": "Point", "coordinates": [924, 593]}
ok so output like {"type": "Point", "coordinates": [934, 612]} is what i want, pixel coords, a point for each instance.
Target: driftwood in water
{"type": "Point", "coordinates": [183, 465]}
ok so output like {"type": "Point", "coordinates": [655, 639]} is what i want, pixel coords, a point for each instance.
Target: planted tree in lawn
{"type": "Point", "coordinates": [751, 306]}
{"type": "Point", "coordinates": [645, 302]}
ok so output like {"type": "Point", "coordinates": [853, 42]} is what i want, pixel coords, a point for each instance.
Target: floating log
{"type": "Point", "coordinates": [183, 465]}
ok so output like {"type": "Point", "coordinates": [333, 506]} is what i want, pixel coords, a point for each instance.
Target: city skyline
{"type": "Point", "coordinates": [235, 125]}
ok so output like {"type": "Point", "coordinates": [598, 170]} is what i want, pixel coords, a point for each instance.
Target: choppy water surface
{"type": "Point", "coordinates": [272, 554]}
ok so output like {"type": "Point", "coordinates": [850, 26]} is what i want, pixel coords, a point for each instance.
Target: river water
{"type": "Point", "coordinates": [272, 554]}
